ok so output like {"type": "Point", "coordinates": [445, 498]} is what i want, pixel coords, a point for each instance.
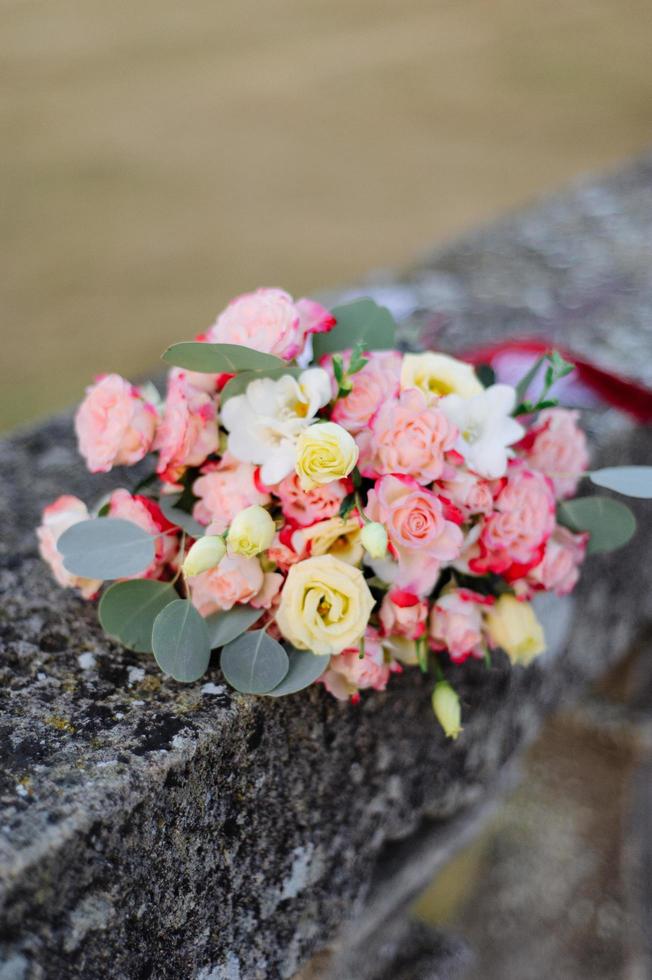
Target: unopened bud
{"type": "Point", "coordinates": [374, 539]}
{"type": "Point", "coordinates": [206, 553]}
{"type": "Point", "coordinates": [251, 531]}
{"type": "Point", "coordinates": [446, 705]}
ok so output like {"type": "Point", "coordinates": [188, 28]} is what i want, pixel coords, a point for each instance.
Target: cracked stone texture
{"type": "Point", "coordinates": [151, 829]}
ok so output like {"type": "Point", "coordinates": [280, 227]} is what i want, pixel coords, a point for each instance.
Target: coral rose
{"type": "Point", "coordinates": [403, 614]}
{"type": "Point", "coordinates": [349, 673]}
{"type": "Point", "coordinates": [377, 380]}
{"type": "Point", "coordinates": [235, 580]}
{"type": "Point", "coordinates": [513, 537]}
{"type": "Point", "coordinates": [557, 447]}
{"type": "Point", "coordinates": [305, 507]}
{"type": "Point", "coordinates": [57, 518]}
{"type": "Point", "coordinates": [559, 569]}
{"type": "Point", "coordinates": [407, 436]}
{"type": "Point", "coordinates": [188, 432]}
{"type": "Point", "coordinates": [456, 624]}
{"type": "Point", "coordinates": [224, 489]}
{"type": "Point", "coordinates": [269, 320]}
{"type": "Point", "coordinates": [325, 605]}
{"type": "Point", "coordinates": [115, 426]}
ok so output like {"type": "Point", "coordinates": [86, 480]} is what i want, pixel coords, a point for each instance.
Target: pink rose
{"type": "Point", "coordinates": [376, 381]}
{"type": "Point", "coordinates": [407, 436]}
{"type": "Point", "coordinates": [188, 432]}
{"type": "Point", "coordinates": [115, 426]}
{"type": "Point", "coordinates": [456, 624]}
{"type": "Point", "coordinates": [349, 673]}
{"type": "Point", "coordinates": [235, 580]}
{"type": "Point", "coordinates": [421, 536]}
{"type": "Point", "coordinates": [146, 514]}
{"type": "Point", "coordinates": [557, 447]}
{"type": "Point", "coordinates": [403, 614]}
{"type": "Point", "coordinates": [513, 537]}
{"type": "Point", "coordinates": [470, 493]}
{"type": "Point", "coordinates": [281, 551]}
{"type": "Point", "coordinates": [558, 571]}
{"type": "Point", "coordinates": [305, 507]}
{"type": "Point", "coordinates": [269, 320]}
{"type": "Point", "coordinates": [224, 489]}
{"type": "Point", "coordinates": [57, 518]}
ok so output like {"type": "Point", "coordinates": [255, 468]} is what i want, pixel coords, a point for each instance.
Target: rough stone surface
{"type": "Point", "coordinates": [151, 829]}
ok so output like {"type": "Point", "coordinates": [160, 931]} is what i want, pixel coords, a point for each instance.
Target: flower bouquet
{"type": "Point", "coordinates": [326, 509]}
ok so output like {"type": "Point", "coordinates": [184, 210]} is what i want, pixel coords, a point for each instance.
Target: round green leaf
{"type": "Point", "coordinates": [127, 611]}
{"type": "Point", "coordinates": [610, 523]}
{"type": "Point", "coordinates": [180, 517]}
{"type": "Point", "coordinates": [223, 627]}
{"type": "Point", "coordinates": [219, 358]}
{"type": "Point", "coordinates": [239, 384]}
{"type": "Point", "coordinates": [633, 481]}
{"type": "Point", "coordinates": [254, 663]}
{"type": "Point", "coordinates": [106, 548]}
{"type": "Point", "coordinates": [305, 668]}
{"type": "Point", "coordinates": [180, 641]}
{"type": "Point", "coordinates": [361, 321]}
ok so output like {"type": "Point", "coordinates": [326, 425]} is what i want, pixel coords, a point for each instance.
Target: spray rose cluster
{"type": "Point", "coordinates": [359, 510]}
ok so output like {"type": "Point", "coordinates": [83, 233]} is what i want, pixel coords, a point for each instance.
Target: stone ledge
{"type": "Point", "coordinates": [155, 829]}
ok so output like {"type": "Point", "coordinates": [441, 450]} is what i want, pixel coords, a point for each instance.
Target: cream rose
{"type": "Point", "coordinates": [325, 452]}
{"type": "Point", "coordinates": [325, 605]}
{"type": "Point", "coordinates": [438, 374]}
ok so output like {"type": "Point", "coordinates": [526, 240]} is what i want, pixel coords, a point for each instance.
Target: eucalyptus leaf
{"type": "Point", "coordinates": [219, 358]}
{"type": "Point", "coordinates": [360, 322]}
{"type": "Point", "coordinates": [127, 611]}
{"type": "Point", "coordinates": [254, 663]}
{"type": "Point", "coordinates": [180, 641]}
{"type": "Point", "coordinates": [223, 627]}
{"type": "Point", "coordinates": [305, 668]}
{"type": "Point", "coordinates": [610, 523]}
{"type": "Point", "coordinates": [106, 548]}
{"type": "Point", "coordinates": [239, 384]}
{"type": "Point", "coordinates": [181, 518]}
{"type": "Point", "coordinates": [633, 481]}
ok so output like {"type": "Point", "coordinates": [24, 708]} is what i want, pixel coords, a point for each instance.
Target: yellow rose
{"type": "Point", "coordinates": [438, 374]}
{"type": "Point", "coordinates": [513, 626]}
{"type": "Point", "coordinates": [206, 553]}
{"type": "Point", "coordinates": [325, 605]}
{"type": "Point", "coordinates": [251, 531]}
{"type": "Point", "coordinates": [325, 452]}
{"type": "Point", "coordinates": [336, 536]}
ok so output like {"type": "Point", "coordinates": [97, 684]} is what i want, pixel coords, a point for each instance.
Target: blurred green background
{"type": "Point", "coordinates": [158, 158]}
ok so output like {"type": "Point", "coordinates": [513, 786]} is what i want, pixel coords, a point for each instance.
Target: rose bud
{"type": "Point", "coordinates": [446, 705]}
{"type": "Point", "coordinates": [374, 539]}
{"type": "Point", "coordinates": [251, 531]}
{"type": "Point", "coordinates": [205, 554]}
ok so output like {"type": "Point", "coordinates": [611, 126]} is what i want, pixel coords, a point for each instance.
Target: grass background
{"type": "Point", "coordinates": [158, 158]}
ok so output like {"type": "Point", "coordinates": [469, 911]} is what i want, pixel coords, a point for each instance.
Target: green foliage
{"type": "Point", "coordinates": [557, 368]}
{"type": "Point", "coordinates": [305, 668]}
{"type": "Point", "coordinates": [223, 627]}
{"type": "Point", "coordinates": [180, 641]}
{"type": "Point", "coordinates": [219, 358]}
{"type": "Point", "coordinates": [239, 384]}
{"type": "Point", "coordinates": [106, 548]}
{"type": "Point", "coordinates": [610, 523]}
{"type": "Point", "coordinates": [361, 322]}
{"type": "Point", "coordinates": [486, 375]}
{"type": "Point", "coordinates": [127, 611]}
{"type": "Point", "coordinates": [254, 663]}
{"type": "Point", "coordinates": [632, 481]}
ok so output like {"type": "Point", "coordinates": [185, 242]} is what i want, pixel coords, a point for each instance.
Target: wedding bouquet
{"type": "Point", "coordinates": [326, 509]}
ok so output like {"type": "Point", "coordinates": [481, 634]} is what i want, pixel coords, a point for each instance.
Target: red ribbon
{"type": "Point", "coordinates": [623, 393]}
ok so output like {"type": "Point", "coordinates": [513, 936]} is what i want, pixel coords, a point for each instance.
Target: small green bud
{"type": "Point", "coordinates": [446, 705]}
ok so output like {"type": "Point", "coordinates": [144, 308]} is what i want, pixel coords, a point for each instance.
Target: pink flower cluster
{"type": "Point", "coordinates": [451, 531]}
